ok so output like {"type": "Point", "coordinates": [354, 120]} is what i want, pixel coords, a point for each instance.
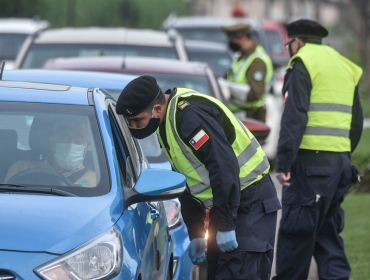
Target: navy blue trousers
{"type": "Point", "coordinates": [308, 228]}
{"type": "Point", "coordinates": [255, 234]}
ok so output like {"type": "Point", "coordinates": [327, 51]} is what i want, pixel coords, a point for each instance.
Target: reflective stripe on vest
{"type": "Point", "coordinates": [333, 79]}
{"type": "Point", "coordinates": [200, 188]}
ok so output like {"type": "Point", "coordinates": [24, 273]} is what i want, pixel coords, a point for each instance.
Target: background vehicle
{"type": "Point", "coordinates": [108, 230]}
{"type": "Point", "coordinates": [216, 55]}
{"type": "Point", "coordinates": [94, 41]}
{"type": "Point", "coordinates": [13, 32]}
{"type": "Point", "coordinates": [114, 83]}
{"type": "Point", "coordinates": [169, 74]}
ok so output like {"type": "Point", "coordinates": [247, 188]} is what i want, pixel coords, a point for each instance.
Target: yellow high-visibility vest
{"type": "Point", "coordinates": [252, 160]}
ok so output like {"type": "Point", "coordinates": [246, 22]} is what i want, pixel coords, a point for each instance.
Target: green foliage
{"type": "Point", "coordinates": [356, 234]}
{"type": "Point", "coordinates": [82, 13]}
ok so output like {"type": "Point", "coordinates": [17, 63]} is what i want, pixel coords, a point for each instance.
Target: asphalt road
{"type": "Point", "coordinates": [313, 269]}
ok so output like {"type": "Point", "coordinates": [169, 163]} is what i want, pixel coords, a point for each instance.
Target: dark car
{"type": "Point", "coordinates": [168, 72]}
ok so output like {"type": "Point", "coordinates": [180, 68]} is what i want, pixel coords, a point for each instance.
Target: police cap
{"type": "Point", "coordinates": [137, 96]}
{"type": "Point", "coordinates": [305, 28]}
{"type": "Point", "coordinates": [236, 30]}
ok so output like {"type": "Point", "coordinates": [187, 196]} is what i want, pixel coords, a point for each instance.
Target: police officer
{"type": "Point", "coordinates": [321, 126]}
{"type": "Point", "coordinates": [226, 171]}
{"type": "Point", "coordinates": [252, 67]}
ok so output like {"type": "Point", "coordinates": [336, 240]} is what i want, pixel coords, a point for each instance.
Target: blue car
{"type": "Point", "coordinates": [114, 83]}
{"type": "Point", "coordinates": [77, 198]}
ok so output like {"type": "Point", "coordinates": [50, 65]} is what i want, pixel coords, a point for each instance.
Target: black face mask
{"type": "Point", "coordinates": [141, 133]}
{"type": "Point", "coordinates": [234, 46]}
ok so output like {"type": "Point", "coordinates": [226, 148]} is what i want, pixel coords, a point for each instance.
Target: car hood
{"type": "Point", "coordinates": [54, 224]}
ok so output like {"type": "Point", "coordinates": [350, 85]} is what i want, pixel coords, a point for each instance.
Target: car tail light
{"type": "Point", "coordinates": [173, 212]}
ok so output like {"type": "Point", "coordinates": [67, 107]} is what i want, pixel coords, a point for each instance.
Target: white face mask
{"type": "Point", "coordinates": [69, 156]}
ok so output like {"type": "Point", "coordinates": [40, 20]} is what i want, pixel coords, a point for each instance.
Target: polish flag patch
{"type": "Point", "coordinates": [199, 139]}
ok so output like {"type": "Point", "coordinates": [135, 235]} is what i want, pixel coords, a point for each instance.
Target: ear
{"type": "Point", "coordinates": [157, 111]}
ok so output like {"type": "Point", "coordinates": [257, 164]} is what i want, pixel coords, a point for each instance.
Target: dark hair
{"type": "Point", "coordinates": [160, 99]}
{"type": "Point", "coordinates": [310, 40]}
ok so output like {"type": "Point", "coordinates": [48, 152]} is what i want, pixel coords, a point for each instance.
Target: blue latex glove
{"type": "Point", "coordinates": [226, 240]}
{"type": "Point", "coordinates": [197, 251]}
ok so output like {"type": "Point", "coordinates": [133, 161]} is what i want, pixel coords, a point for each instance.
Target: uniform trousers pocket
{"type": "Point", "coordinates": [300, 219]}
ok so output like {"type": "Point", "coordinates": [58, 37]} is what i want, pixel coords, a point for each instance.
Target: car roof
{"type": "Point", "coordinates": [42, 93]}
{"type": "Point", "coordinates": [100, 35]}
{"type": "Point", "coordinates": [129, 64]}
{"type": "Point", "coordinates": [205, 22]}
{"type": "Point", "coordinates": [22, 25]}
{"type": "Point", "coordinates": [206, 46]}
{"type": "Point", "coordinates": [77, 78]}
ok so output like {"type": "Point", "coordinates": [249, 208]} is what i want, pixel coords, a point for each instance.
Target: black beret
{"type": "Point", "coordinates": [137, 96]}
{"type": "Point", "coordinates": [306, 28]}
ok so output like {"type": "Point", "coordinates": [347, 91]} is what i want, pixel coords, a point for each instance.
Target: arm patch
{"type": "Point", "coordinates": [182, 104]}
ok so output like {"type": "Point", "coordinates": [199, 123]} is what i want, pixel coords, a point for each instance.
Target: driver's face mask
{"type": "Point", "coordinates": [68, 155]}
{"type": "Point", "coordinates": [150, 128]}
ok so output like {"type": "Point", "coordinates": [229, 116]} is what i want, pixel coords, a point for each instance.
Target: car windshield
{"type": "Point", "coordinates": [276, 45]}
{"type": "Point", "coordinates": [52, 145]}
{"type": "Point", "coordinates": [10, 44]}
{"type": "Point", "coordinates": [40, 53]}
{"type": "Point", "coordinates": [203, 34]}
{"type": "Point", "coordinates": [220, 62]}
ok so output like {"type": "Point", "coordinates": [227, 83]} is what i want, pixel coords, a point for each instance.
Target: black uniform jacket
{"type": "Point", "coordinates": [297, 90]}
{"type": "Point", "coordinates": [218, 158]}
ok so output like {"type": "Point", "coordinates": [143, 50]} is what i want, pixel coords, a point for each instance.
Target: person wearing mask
{"type": "Point", "coordinates": [320, 128]}
{"type": "Point", "coordinates": [226, 171]}
{"type": "Point", "coordinates": [69, 143]}
{"type": "Point", "coordinates": [253, 67]}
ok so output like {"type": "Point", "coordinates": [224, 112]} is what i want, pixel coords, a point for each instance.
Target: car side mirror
{"type": "Point", "coordinates": [155, 185]}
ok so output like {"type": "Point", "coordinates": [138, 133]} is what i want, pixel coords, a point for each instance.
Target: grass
{"type": "Point", "coordinates": [365, 103]}
{"type": "Point", "coordinates": [356, 234]}
{"type": "Point", "coordinates": [363, 147]}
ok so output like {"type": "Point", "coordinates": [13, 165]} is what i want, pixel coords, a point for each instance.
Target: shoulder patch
{"type": "Point", "coordinates": [182, 104]}
{"type": "Point", "coordinates": [291, 65]}
{"type": "Point", "coordinates": [199, 139]}
{"type": "Point", "coordinates": [258, 76]}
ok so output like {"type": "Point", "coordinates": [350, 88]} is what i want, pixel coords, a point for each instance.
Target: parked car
{"type": "Point", "coordinates": [114, 83]}
{"type": "Point", "coordinates": [13, 32]}
{"type": "Point", "coordinates": [94, 41]}
{"type": "Point", "coordinates": [210, 28]}
{"type": "Point", "coordinates": [217, 55]}
{"type": "Point", "coordinates": [169, 74]}
{"type": "Point", "coordinates": [52, 228]}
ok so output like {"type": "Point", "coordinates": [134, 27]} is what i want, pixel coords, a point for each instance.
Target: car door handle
{"type": "Point", "coordinates": [154, 213]}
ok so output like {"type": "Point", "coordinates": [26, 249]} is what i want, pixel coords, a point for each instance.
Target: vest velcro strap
{"type": "Point", "coordinates": [253, 175]}
{"type": "Point", "coordinates": [330, 107]}
{"type": "Point", "coordinates": [329, 131]}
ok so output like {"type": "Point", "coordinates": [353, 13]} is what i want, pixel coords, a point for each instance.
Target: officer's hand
{"type": "Point", "coordinates": [197, 251]}
{"type": "Point", "coordinates": [283, 178]}
{"type": "Point", "coordinates": [226, 240]}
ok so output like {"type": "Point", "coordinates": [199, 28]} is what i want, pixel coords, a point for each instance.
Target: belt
{"type": "Point", "coordinates": [305, 152]}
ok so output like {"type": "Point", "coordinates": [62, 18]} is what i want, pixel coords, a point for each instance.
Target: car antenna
{"type": "Point", "coordinates": [2, 70]}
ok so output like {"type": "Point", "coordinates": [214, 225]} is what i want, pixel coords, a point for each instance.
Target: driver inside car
{"type": "Point", "coordinates": [69, 144]}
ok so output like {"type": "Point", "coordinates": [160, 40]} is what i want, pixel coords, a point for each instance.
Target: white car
{"type": "Point", "coordinates": [98, 41]}
{"type": "Point", "coordinates": [13, 32]}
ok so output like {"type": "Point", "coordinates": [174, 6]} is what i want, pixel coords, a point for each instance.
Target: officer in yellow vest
{"type": "Point", "coordinates": [252, 67]}
{"type": "Point", "coordinates": [320, 128]}
{"type": "Point", "coordinates": [226, 170]}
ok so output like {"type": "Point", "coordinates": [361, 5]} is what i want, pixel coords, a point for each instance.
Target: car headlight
{"type": "Point", "coordinates": [100, 258]}
{"type": "Point", "coordinates": [173, 213]}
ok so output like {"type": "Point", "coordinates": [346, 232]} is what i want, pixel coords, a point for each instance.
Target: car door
{"type": "Point", "coordinates": [151, 216]}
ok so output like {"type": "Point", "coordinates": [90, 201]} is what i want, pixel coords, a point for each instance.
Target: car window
{"type": "Point", "coordinates": [203, 34]}
{"type": "Point", "coordinates": [220, 62]}
{"type": "Point", "coordinates": [274, 41]}
{"type": "Point", "coordinates": [54, 145]}
{"type": "Point", "coordinates": [39, 53]}
{"type": "Point", "coordinates": [152, 149]}
{"type": "Point", "coordinates": [10, 44]}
